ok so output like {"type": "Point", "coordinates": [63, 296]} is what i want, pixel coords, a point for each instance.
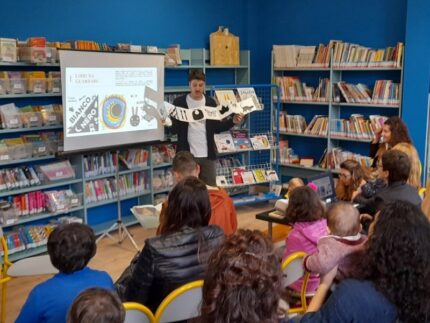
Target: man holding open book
{"type": "Point", "coordinates": [198, 136]}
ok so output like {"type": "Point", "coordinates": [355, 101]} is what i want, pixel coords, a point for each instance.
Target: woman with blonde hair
{"type": "Point", "coordinates": [415, 174]}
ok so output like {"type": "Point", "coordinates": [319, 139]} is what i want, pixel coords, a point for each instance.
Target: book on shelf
{"type": "Point", "coordinates": [386, 92]}
{"type": "Point", "coordinates": [306, 161]}
{"type": "Point", "coordinates": [134, 158]}
{"type": "Point", "coordinates": [259, 175]}
{"type": "Point", "coordinates": [292, 89]}
{"type": "Point", "coordinates": [241, 139]}
{"type": "Point", "coordinates": [291, 123]}
{"type": "Point", "coordinates": [224, 143]}
{"type": "Point", "coordinates": [271, 175]}
{"type": "Point", "coordinates": [260, 142]}
{"type": "Point", "coordinates": [283, 151]}
{"type": "Point", "coordinates": [333, 158]}
{"type": "Point", "coordinates": [248, 177]}
{"type": "Point", "coordinates": [318, 126]}
{"type": "Point", "coordinates": [221, 180]}
{"type": "Point", "coordinates": [236, 175]}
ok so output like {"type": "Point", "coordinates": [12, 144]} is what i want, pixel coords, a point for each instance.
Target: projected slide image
{"type": "Point", "coordinates": [110, 100]}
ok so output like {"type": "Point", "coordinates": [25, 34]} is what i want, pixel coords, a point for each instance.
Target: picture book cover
{"type": "Point", "coordinates": [241, 140]}
{"type": "Point", "coordinates": [224, 142]}
{"type": "Point", "coordinates": [260, 142]}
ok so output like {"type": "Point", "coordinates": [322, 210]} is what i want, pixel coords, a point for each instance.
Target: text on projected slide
{"type": "Point", "coordinates": [109, 100]}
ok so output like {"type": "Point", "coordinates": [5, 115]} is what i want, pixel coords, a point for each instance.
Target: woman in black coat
{"type": "Point", "coordinates": [180, 253]}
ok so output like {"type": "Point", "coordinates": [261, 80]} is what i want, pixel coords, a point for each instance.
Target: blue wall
{"type": "Point", "coordinates": [157, 22]}
{"type": "Point", "coordinates": [417, 74]}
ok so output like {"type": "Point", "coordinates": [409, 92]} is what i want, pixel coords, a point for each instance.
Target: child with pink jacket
{"type": "Point", "coordinates": [306, 214]}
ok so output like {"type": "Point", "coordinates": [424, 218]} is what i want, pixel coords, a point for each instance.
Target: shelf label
{"type": "Point", "coordinates": [13, 121]}
{"type": "Point", "coordinates": [55, 90]}
{"type": "Point", "coordinates": [38, 88]}
{"type": "Point", "coordinates": [42, 149]}
{"type": "Point", "coordinates": [52, 118]}
{"type": "Point", "coordinates": [17, 86]}
{"type": "Point", "coordinates": [59, 173]}
{"type": "Point", "coordinates": [4, 157]}
{"type": "Point", "coordinates": [74, 201]}
{"type": "Point", "coordinates": [34, 119]}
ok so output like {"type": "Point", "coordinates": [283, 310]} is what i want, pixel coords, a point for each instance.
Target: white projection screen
{"type": "Point", "coordinates": [111, 99]}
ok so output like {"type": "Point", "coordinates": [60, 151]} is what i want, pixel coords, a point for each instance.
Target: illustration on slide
{"type": "Point", "coordinates": [135, 118]}
{"type": "Point", "coordinates": [84, 115]}
{"type": "Point", "coordinates": [114, 109]}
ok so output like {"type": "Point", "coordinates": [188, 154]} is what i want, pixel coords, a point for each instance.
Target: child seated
{"type": "Point", "coordinates": [223, 211]}
{"type": "Point", "coordinates": [70, 248]}
{"type": "Point", "coordinates": [96, 305]}
{"type": "Point", "coordinates": [306, 214]}
{"type": "Point", "coordinates": [343, 221]}
{"type": "Point", "coordinates": [292, 184]}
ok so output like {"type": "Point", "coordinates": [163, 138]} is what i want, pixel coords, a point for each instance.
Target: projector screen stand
{"type": "Point", "coordinates": [118, 225]}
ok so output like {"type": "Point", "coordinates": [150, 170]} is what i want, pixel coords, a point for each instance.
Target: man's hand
{"type": "Point", "coordinates": [237, 118]}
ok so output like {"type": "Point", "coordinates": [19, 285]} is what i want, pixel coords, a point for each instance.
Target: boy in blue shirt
{"type": "Point", "coordinates": [70, 248]}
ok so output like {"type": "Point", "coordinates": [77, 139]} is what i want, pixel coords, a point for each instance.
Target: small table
{"type": "Point", "coordinates": [264, 216]}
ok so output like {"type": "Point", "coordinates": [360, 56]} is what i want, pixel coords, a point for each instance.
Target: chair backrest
{"type": "Point", "coordinates": [39, 265]}
{"type": "Point", "coordinates": [182, 304]}
{"type": "Point", "coordinates": [137, 313]}
{"type": "Point", "coordinates": [294, 270]}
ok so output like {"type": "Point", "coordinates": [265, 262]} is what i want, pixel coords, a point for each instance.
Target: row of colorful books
{"type": "Point", "coordinates": [162, 179]}
{"type": "Point", "coordinates": [162, 154]}
{"type": "Point", "coordinates": [134, 158]}
{"type": "Point", "coordinates": [25, 176]}
{"type": "Point", "coordinates": [239, 140]}
{"type": "Point", "coordinates": [37, 202]}
{"type": "Point", "coordinates": [108, 188]}
{"type": "Point", "coordinates": [292, 89]}
{"type": "Point", "coordinates": [99, 164]}
{"type": "Point", "coordinates": [36, 82]}
{"type": "Point", "coordinates": [332, 159]}
{"type": "Point", "coordinates": [343, 54]}
{"type": "Point", "coordinates": [26, 238]}
{"type": "Point", "coordinates": [292, 123]}
{"type": "Point", "coordinates": [384, 92]}
{"type": "Point", "coordinates": [247, 176]}
{"type": "Point", "coordinates": [354, 55]}
{"type": "Point", "coordinates": [356, 127]}
{"type": "Point", "coordinates": [12, 117]}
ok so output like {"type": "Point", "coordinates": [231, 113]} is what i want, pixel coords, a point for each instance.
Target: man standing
{"type": "Point", "coordinates": [198, 137]}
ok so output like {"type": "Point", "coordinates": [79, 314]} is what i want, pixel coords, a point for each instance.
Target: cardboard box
{"type": "Point", "coordinates": [224, 48]}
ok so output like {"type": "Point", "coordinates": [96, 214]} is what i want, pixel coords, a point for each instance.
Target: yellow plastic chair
{"type": "Point", "coordinates": [293, 270]}
{"type": "Point", "coordinates": [137, 313]}
{"type": "Point", "coordinates": [4, 278]}
{"type": "Point", "coordinates": [182, 304]}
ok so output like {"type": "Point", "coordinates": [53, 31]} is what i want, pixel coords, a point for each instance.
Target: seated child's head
{"type": "Point", "coordinates": [185, 165]}
{"type": "Point", "coordinates": [243, 280]}
{"type": "Point", "coordinates": [304, 205]}
{"type": "Point", "coordinates": [71, 246]}
{"type": "Point", "coordinates": [396, 166]}
{"type": "Point", "coordinates": [96, 305]}
{"type": "Point", "coordinates": [294, 183]}
{"type": "Point", "coordinates": [343, 219]}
